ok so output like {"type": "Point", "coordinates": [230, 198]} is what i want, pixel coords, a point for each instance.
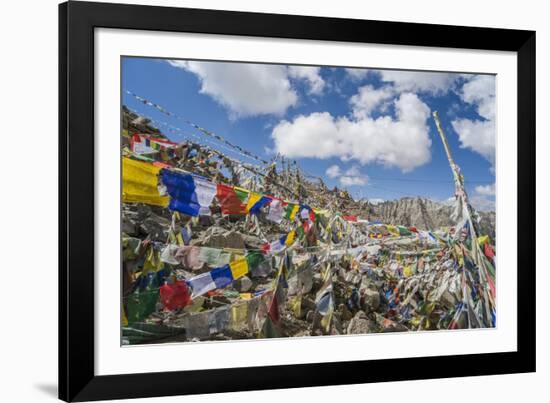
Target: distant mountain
{"type": "Point", "coordinates": [421, 213]}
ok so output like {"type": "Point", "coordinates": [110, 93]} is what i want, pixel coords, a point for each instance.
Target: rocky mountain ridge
{"type": "Point", "coordinates": [421, 213]}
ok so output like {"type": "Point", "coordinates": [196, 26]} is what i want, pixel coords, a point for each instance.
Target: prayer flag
{"type": "Point", "coordinates": [276, 210]}
{"type": "Point", "coordinates": [291, 210]}
{"type": "Point", "coordinates": [214, 257]}
{"type": "Point", "coordinates": [238, 268]}
{"type": "Point", "coordinates": [141, 304]}
{"type": "Point", "coordinates": [189, 195]}
{"type": "Point", "coordinates": [201, 284]}
{"type": "Point", "coordinates": [140, 183]}
{"type": "Point", "coordinates": [255, 202]}
{"type": "Point", "coordinates": [231, 199]}
{"type": "Point", "coordinates": [175, 296]}
{"type": "Point", "coordinates": [290, 238]}
{"type": "Point", "coordinates": [351, 218]}
{"type": "Point", "coordinates": [222, 276]}
{"type": "Point", "coordinates": [403, 230]}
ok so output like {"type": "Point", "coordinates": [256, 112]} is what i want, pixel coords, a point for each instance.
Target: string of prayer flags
{"type": "Point", "coordinates": [188, 194]}
{"type": "Point", "coordinates": [231, 199]}
{"type": "Point", "coordinates": [140, 183]}
{"type": "Point", "coordinates": [199, 128]}
{"type": "Point", "coordinates": [143, 144]}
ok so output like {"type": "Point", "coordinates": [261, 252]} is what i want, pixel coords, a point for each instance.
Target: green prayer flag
{"type": "Point", "coordinates": [141, 305]}
{"type": "Point", "coordinates": [403, 230]}
{"type": "Point", "coordinates": [241, 194]}
{"type": "Point", "coordinates": [269, 330]}
{"type": "Point", "coordinates": [254, 259]}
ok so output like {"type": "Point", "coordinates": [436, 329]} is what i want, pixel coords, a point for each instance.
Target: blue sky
{"type": "Point", "coordinates": [368, 131]}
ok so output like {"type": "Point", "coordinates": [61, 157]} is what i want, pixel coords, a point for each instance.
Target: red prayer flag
{"type": "Point", "coordinates": [274, 309]}
{"type": "Point", "coordinates": [352, 218]}
{"type": "Point", "coordinates": [229, 201]}
{"type": "Point", "coordinates": [489, 251]}
{"type": "Point", "coordinates": [175, 296]}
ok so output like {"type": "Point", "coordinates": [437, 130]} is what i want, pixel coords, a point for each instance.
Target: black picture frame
{"type": "Point", "coordinates": [77, 21]}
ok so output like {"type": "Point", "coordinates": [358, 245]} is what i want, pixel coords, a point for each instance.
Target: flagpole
{"type": "Point", "coordinates": [466, 208]}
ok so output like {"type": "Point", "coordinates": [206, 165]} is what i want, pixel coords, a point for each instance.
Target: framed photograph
{"type": "Point", "coordinates": [257, 201]}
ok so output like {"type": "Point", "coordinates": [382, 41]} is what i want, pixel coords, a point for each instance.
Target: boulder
{"type": "Point", "coordinates": [243, 284]}
{"type": "Point", "coordinates": [361, 324]}
{"type": "Point", "coordinates": [156, 227]}
{"type": "Point", "coordinates": [371, 300]}
{"type": "Point", "coordinates": [252, 242]}
{"type": "Point", "coordinates": [217, 237]}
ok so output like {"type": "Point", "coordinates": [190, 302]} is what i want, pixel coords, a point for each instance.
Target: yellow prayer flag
{"type": "Point", "coordinates": [140, 183]}
{"type": "Point", "coordinates": [290, 238]}
{"type": "Point", "coordinates": [407, 271]}
{"type": "Point", "coordinates": [393, 229]}
{"type": "Point", "coordinates": [482, 240]}
{"type": "Point", "coordinates": [326, 321]}
{"type": "Point", "coordinates": [238, 268]}
{"type": "Point", "coordinates": [239, 315]}
{"type": "Point", "coordinates": [294, 212]}
{"type": "Point", "coordinates": [152, 261]}
{"type": "Point", "coordinates": [253, 198]}
{"type": "Point", "coordinates": [295, 305]}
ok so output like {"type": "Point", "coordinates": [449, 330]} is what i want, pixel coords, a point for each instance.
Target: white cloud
{"type": "Point", "coordinates": [350, 177]}
{"type": "Point", "coordinates": [487, 190]}
{"type": "Point", "coordinates": [418, 81]}
{"type": "Point", "coordinates": [479, 135]}
{"type": "Point", "coordinates": [369, 99]}
{"type": "Point", "coordinates": [376, 201]}
{"type": "Point", "coordinates": [309, 74]}
{"type": "Point", "coordinates": [357, 74]}
{"type": "Point", "coordinates": [401, 142]}
{"type": "Point", "coordinates": [333, 171]}
{"type": "Point", "coordinates": [480, 91]}
{"type": "Point", "coordinates": [244, 89]}
{"type": "Point", "coordinates": [352, 181]}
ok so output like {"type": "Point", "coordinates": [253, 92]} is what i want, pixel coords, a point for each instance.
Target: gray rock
{"type": "Point", "coordinates": [371, 300]}
{"type": "Point", "coordinates": [243, 284]}
{"type": "Point", "coordinates": [252, 242]}
{"type": "Point", "coordinates": [129, 227]}
{"type": "Point", "coordinates": [156, 227]}
{"type": "Point", "coordinates": [310, 315]}
{"type": "Point", "coordinates": [217, 237]}
{"type": "Point", "coordinates": [361, 324]}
